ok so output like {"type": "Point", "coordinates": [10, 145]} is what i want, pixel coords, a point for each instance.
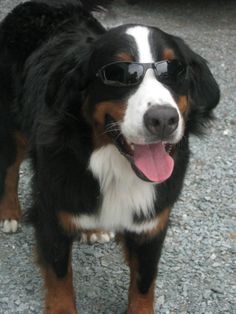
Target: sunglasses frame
{"type": "Point", "coordinates": [146, 66]}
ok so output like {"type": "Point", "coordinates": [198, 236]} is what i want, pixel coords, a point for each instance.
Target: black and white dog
{"type": "Point", "coordinates": [105, 117]}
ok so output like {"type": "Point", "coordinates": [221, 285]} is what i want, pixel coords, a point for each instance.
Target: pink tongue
{"type": "Point", "coordinates": [153, 161]}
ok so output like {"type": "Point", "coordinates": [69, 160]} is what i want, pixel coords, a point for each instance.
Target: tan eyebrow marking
{"type": "Point", "coordinates": [168, 54]}
{"type": "Point", "coordinates": [124, 56]}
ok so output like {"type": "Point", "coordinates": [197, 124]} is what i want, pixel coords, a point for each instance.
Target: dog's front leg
{"type": "Point", "coordinates": [143, 252]}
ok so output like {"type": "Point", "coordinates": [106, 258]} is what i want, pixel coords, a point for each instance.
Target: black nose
{"type": "Point", "coordinates": [161, 121]}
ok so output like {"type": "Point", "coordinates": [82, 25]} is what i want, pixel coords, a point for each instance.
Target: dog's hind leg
{"type": "Point", "coordinates": [12, 153]}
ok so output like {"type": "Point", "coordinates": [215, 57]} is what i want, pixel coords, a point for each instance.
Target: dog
{"type": "Point", "coordinates": [105, 118]}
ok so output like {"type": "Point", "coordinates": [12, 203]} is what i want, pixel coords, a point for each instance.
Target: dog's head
{"type": "Point", "coordinates": [143, 90]}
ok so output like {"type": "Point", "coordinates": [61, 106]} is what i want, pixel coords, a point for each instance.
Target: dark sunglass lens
{"type": "Point", "coordinates": [135, 73]}
{"type": "Point", "coordinates": [122, 73]}
{"type": "Point", "coordinates": [162, 70]}
{"type": "Point", "coordinates": [169, 71]}
{"type": "Point", "coordinates": [115, 73]}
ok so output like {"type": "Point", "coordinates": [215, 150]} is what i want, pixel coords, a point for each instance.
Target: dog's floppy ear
{"type": "Point", "coordinates": [64, 97]}
{"type": "Point", "coordinates": [67, 84]}
{"type": "Point", "coordinates": [204, 94]}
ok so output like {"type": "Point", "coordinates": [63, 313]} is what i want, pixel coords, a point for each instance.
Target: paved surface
{"type": "Point", "coordinates": [198, 266]}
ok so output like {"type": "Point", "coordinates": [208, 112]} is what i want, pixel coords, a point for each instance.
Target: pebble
{"type": "Point", "coordinates": [161, 300]}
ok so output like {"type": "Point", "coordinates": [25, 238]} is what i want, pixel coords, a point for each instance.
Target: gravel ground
{"type": "Point", "coordinates": [198, 266]}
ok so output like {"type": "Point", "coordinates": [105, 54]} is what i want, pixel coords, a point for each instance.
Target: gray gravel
{"type": "Point", "coordinates": [198, 266]}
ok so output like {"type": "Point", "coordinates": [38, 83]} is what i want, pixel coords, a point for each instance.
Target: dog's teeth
{"type": "Point", "coordinates": [168, 148]}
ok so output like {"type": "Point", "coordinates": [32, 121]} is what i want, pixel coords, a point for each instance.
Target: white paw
{"type": "Point", "coordinates": [9, 225]}
{"type": "Point", "coordinates": [99, 237]}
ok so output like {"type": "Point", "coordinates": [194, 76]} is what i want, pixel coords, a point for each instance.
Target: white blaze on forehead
{"type": "Point", "coordinates": [150, 92]}
{"type": "Point", "coordinates": [141, 37]}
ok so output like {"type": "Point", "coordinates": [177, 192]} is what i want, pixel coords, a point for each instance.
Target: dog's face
{"type": "Point", "coordinates": [144, 81]}
{"type": "Point", "coordinates": [141, 96]}
{"type": "Point", "coordinates": [144, 91]}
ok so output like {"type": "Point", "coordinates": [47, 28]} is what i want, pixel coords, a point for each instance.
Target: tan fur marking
{"type": "Point", "coordinates": [168, 54]}
{"type": "Point", "coordinates": [115, 109]}
{"type": "Point", "coordinates": [124, 56]}
{"type": "Point", "coordinates": [163, 219]}
{"type": "Point", "coordinates": [59, 296]}
{"type": "Point", "coordinates": [66, 221]}
{"type": "Point", "coordinates": [9, 204]}
{"type": "Point", "coordinates": [161, 223]}
{"type": "Point", "coordinates": [183, 104]}
{"type": "Point", "coordinates": [139, 303]}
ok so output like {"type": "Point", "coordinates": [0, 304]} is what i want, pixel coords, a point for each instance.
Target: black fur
{"type": "Point", "coordinates": [49, 56]}
{"type": "Point", "coordinates": [203, 91]}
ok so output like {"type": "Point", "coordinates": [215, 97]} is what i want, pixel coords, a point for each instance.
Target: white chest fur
{"type": "Point", "coordinates": [124, 194]}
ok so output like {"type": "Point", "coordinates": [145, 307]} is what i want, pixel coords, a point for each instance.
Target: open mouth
{"type": "Point", "coordinates": [150, 162]}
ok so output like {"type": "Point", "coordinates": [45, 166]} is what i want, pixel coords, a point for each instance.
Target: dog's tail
{"type": "Point", "coordinates": [88, 5]}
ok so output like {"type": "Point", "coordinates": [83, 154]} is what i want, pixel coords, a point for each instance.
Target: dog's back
{"type": "Point", "coordinates": [23, 31]}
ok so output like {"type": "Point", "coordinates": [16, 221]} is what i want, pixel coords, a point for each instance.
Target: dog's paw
{"type": "Point", "coordinates": [9, 225]}
{"type": "Point", "coordinates": [96, 236]}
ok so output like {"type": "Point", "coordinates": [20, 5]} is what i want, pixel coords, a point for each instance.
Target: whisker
{"type": "Point", "coordinates": [70, 115]}
{"type": "Point", "coordinates": [113, 124]}
{"type": "Point", "coordinates": [108, 131]}
{"type": "Point", "coordinates": [118, 135]}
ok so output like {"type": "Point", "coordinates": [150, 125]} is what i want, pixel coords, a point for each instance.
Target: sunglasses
{"type": "Point", "coordinates": [132, 73]}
